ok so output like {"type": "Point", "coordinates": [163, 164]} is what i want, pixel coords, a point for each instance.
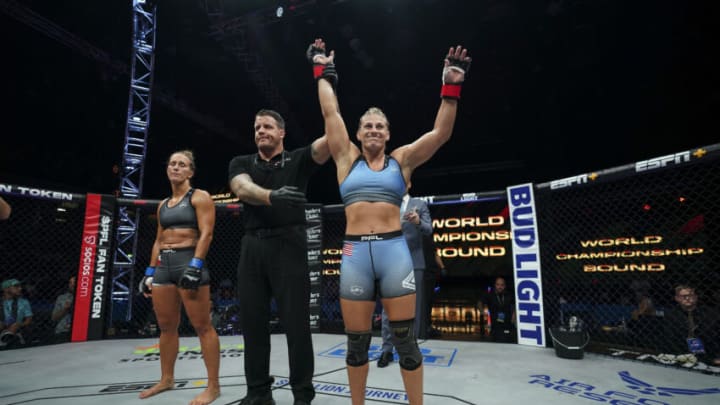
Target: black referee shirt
{"type": "Point", "coordinates": [290, 168]}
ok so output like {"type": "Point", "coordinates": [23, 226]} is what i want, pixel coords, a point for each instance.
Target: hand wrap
{"type": "Point", "coordinates": [321, 71]}
{"type": "Point", "coordinates": [452, 90]}
{"type": "Point", "coordinates": [145, 285]}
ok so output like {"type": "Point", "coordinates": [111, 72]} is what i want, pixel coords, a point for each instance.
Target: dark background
{"type": "Point", "coordinates": [557, 88]}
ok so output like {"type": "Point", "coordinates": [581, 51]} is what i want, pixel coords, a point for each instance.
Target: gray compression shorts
{"type": "Point", "coordinates": [171, 265]}
{"type": "Point", "coordinates": [379, 258]}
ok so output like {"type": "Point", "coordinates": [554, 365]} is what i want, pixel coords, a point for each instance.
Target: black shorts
{"type": "Point", "coordinates": [173, 263]}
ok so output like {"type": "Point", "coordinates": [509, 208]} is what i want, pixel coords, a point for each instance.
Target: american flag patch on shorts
{"type": "Point", "coordinates": [347, 249]}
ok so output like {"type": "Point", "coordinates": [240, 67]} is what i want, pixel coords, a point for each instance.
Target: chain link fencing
{"type": "Point", "coordinates": [614, 250]}
{"type": "Point", "coordinates": [40, 248]}
{"type": "Point", "coordinates": [614, 245]}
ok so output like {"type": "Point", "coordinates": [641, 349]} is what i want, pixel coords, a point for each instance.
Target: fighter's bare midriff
{"type": "Point", "coordinates": [365, 218]}
{"type": "Point", "coordinates": [178, 238]}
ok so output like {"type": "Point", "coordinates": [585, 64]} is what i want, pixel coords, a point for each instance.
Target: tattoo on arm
{"type": "Point", "coordinates": [249, 192]}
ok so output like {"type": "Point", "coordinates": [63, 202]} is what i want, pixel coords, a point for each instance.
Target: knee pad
{"type": "Point", "coordinates": [403, 338]}
{"type": "Point", "coordinates": [357, 348]}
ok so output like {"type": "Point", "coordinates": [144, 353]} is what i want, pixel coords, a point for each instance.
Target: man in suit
{"type": "Point", "coordinates": [416, 224]}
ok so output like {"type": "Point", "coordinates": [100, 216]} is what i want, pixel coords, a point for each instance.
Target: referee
{"type": "Point", "coordinates": [273, 258]}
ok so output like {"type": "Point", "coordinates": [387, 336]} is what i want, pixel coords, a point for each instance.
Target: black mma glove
{"type": "Point", "coordinates": [452, 90]}
{"type": "Point", "coordinates": [287, 195]}
{"type": "Point", "coordinates": [321, 71]}
{"type": "Point", "coordinates": [190, 279]}
{"type": "Point", "coordinates": [145, 285]}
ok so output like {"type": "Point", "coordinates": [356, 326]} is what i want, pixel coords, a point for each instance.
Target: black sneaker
{"type": "Point", "coordinates": [385, 359]}
{"type": "Point", "coordinates": [263, 400]}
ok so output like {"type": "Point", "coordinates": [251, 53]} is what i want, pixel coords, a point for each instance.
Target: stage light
{"type": "Point", "coordinates": [282, 6]}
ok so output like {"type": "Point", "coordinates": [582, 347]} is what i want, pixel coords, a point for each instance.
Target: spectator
{"type": "Point", "coordinates": [62, 312]}
{"type": "Point", "coordinates": [691, 328]}
{"type": "Point", "coordinates": [501, 305]}
{"type": "Point", "coordinates": [225, 297]}
{"type": "Point", "coordinates": [16, 316]}
{"type": "Point", "coordinates": [645, 305]}
{"type": "Point", "coordinates": [5, 209]}
{"type": "Point", "coordinates": [227, 309]}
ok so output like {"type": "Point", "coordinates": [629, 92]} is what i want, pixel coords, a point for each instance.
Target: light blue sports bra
{"type": "Point", "coordinates": [365, 184]}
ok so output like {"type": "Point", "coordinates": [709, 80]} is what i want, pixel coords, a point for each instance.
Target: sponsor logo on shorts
{"type": "Point", "coordinates": [409, 281]}
{"type": "Point", "coordinates": [356, 290]}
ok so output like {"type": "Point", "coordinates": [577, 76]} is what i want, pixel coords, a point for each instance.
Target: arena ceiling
{"type": "Point", "coordinates": [557, 88]}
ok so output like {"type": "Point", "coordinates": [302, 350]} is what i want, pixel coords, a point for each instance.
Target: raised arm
{"type": "Point", "coordinates": [456, 66]}
{"type": "Point", "coordinates": [342, 150]}
{"type": "Point", "coordinates": [320, 150]}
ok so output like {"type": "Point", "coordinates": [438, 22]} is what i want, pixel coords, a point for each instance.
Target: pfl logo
{"type": "Point", "coordinates": [436, 357]}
